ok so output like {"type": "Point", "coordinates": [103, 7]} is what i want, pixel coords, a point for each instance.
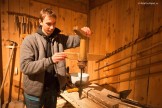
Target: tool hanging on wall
{"type": "Point", "coordinates": [8, 65]}
{"type": "Point", "coordinates": [29, 25]}
{"type": "Point", "coordinates": [21, 22]}
{"type": "Point", "coordinates": [131, 55]}
{"type": "Point", "coordinates": [16, 23]}
{"type": "Point", "coordinates": [139, 39]}
{"type": "Point", "coordinates": [123, 98]}
{"type": "Point", "coordinates": [25, 24]}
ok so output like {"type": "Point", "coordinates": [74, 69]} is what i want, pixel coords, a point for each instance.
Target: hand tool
{"type": "Point", "coordinates": [8, 65]}
{"type": "Point", "coordinates": [72, 90]}
{"type": "Point", "coordinates": [123, 95]}
{"type": "Point", "coordinates": [82, 56]}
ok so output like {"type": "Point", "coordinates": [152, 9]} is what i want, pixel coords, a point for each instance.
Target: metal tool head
{"type": "Point", "coordinates": [82, 64]}
{"type": "Point", "coordinates": [124, 94]}
{"type": "Point", "coordinates": [12, 42]}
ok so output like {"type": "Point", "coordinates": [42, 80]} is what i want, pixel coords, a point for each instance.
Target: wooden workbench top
{"type": "Point", "coordinates": [73, 98]}
{"type": "Point", "coordinates": [95, 96]}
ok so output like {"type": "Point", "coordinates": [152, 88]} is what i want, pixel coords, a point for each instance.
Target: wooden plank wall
{"type": "Point", "coordinates": [0, 51]}
{"type": "Point", "coordinates": [113, 24]}
{"type": "Point", "coordinates": [67, 19]}
{"type": "Point", "coordinates": [117, 23]}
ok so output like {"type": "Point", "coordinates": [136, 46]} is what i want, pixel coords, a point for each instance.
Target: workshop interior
{"type": "Point", "coordinates": [118, 66]}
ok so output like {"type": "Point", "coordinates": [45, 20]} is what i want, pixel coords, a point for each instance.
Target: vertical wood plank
{"type": "Point", "coordinates": [13, 36]}
{"type": "Point", "coordinates": [1, 70]}
{"type": "Point", "coordinates": [92, 44]}
{"type": "Point", "coordinates": [125, 35]}
{"type": "Point", "coordinates": [145, 26]}
{"type": "Point", "coordinates": [5, 36]}
{"type": "Point", "coordinates": [155, 88]}
{"type": "Point", "coordinates": [111, 39]}
{"type": "Point", "coordinates": [134, 47]}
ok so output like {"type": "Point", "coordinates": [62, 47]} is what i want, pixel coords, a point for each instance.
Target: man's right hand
{"type": "Point", "coordinates": [59, 57]}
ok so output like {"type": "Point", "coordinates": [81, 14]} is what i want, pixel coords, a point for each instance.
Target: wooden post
{"type": "Point", "coordinates": [0, 55]}
{"type": "Point", "coordinates": [83, 44]}
{"type": "Point", "coordinates": [82, 56]}
{"type": "Point", "coordinates": [0, 51]}
{"type": "Point", "coordinates": [83, 51]}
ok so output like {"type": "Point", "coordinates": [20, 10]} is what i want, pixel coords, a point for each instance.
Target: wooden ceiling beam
{"type": "Point", "coordinates": [82, 6]}
{"type": "Point", "coordinates": [96, 3]}
{"type": "Point", "coordinates": [76, 5]}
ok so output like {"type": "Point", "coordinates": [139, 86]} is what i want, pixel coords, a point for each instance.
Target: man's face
{"type": "Point", "coordinates": [48, 25]}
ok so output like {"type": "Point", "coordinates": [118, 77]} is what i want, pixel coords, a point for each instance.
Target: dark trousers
{"type": "Point", "coordinates": [48, 100]}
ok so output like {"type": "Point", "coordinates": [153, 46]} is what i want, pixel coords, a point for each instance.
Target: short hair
{"type": "Point", "coordinates": [47, 12]}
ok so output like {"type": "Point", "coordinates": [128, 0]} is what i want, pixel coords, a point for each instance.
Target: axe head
{"type": "Point", "coordinates": [124, 94]}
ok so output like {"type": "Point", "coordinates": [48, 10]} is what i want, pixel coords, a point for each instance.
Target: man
{"type": "Point", "coordinates": [42, 61]}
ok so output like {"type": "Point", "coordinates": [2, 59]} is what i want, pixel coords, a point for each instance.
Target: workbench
{"type": "Point", "coordinates": [94, 96]}
{"type": "Point", "coordinates": [73, 98]}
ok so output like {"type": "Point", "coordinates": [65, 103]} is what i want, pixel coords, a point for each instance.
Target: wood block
{"type": "Point", "coordinates": [73, 98]}
{"type": "Point", "coordinates": [99, 95]}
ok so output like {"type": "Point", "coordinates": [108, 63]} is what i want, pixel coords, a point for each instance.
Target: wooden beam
{"type": "Point", "coordinates": [0, 49]}
{"type": "Point", "coordinates": [75, 5]}
{"type": "Point", "coordinates": [95, 3]}
{"type": "Point", "coordinates": [90, 57]}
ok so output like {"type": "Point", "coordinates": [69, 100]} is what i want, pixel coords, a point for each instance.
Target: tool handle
{"type": "Point", "coordinates": [72, 90]}
{"type": "Point", "coordinates": [83, 44]}
{"type": "Point", "coordinates": [80, 33]}
{"type": "Point", "coordinates": [8, 64]}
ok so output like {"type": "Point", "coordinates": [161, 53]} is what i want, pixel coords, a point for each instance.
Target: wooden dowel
{"type": "Point", "coordinates": [83, 52]}
{"type": "Point", "coordinates": [83, 44]}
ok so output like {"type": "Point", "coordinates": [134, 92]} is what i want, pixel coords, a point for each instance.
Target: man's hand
{"type": "Point", "coordinates": [86, 30]}
{"type": "Point", "coordinates": [58, 57]}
